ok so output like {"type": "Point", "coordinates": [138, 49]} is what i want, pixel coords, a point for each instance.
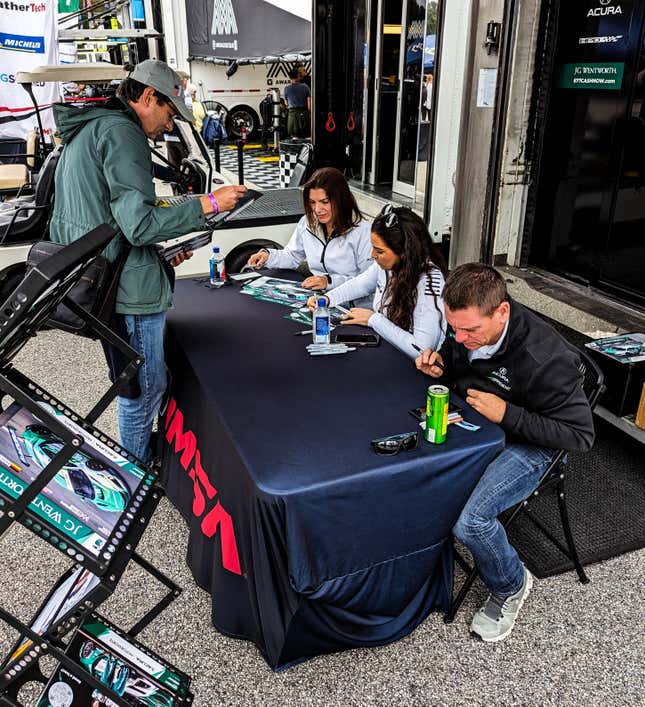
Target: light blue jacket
{"type": "Point", "coordinates": [341, 258]}
{"type": "Point", "coordinates": [428, 319]}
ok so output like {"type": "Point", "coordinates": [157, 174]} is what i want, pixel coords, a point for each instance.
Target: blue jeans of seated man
{"type": "Point", "coordinates": [508, 479]}
{"type": "Point", "coordinates": [137, 416]}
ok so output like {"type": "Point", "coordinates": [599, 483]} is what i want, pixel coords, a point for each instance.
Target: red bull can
{"type": "Point", "coordinates": [436, 414]}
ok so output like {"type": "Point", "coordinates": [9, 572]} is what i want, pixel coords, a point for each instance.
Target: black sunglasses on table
{"type": "Point", "coordinates": [406, 442]}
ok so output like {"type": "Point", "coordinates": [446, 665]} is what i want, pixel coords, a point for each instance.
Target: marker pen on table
{"type": "Point", "coordinates": [328, 352]}
{"type": "Point", "coordinates": [310, 331]}
{"type": "Point", "coordinates": [420, 350]}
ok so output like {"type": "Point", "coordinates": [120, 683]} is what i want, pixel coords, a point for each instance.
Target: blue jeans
{"type": "Point", "coordinates": [137, 416]}
{"type": "Point", "coordinates": [509, 479]}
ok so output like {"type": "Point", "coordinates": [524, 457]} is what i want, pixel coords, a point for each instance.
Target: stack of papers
{"type": "Point", "coordinates": [302, 316]}
{"type": "Point", "coordinates": [274, 289]}
{"type": "Point", "coordinates": [288, 293]}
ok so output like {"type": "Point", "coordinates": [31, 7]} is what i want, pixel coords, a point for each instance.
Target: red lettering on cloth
{"type": "Point", "coordinates": [199, 477]}
{"type": "Point", "coordinates": [185, 442]}
{"type": "Point", "coordinates": [217, 519]}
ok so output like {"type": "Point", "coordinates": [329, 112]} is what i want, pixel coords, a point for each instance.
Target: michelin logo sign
{"type": "Point", "coordinates": [22, 43]}
{"type": "Point", "coordinates": [28, 38]}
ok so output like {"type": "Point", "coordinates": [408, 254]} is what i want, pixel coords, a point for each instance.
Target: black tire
{"type": "Point", "coordinates": [242, 116]}
{"type": "Point", "coordinates": [213, 105]}
{"type": "Point", "coordinates": [95, 465]}
{"type": "Point", "coordinates": [236, 260]}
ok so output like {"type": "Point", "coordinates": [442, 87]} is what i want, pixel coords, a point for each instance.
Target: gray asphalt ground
{"type": "Point", "coordinates": [573, 644]}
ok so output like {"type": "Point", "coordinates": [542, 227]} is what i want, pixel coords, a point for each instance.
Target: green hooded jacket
{"type": "Point", "coordinates": [105, 176]}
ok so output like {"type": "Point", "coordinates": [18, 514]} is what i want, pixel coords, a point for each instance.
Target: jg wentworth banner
{"type": "Point", "coordinates": [28, 38]}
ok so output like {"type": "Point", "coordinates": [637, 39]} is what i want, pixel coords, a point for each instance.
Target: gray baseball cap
{"type": "Point", "coordinates": [162, 78]}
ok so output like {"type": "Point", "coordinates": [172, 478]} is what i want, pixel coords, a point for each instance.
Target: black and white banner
{"type": "Point", "coordinates": [238, 29]}
{"type": "Point", "coordinates": [28, 38]}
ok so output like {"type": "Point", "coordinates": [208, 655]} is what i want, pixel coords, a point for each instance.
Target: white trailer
{"type": "Point", "coordinates": [228, 64]}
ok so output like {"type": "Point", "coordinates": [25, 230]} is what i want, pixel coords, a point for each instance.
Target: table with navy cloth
{"type": "Point", "coordinates": [307, 541]}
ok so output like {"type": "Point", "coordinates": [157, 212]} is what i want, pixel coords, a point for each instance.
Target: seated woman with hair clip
{"type": "Point", "coordinates": [407, 277]}
{"type": "Point", "coordinates": [332, 236]}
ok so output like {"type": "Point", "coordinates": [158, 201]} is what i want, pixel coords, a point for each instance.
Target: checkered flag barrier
{"type": "Point", "coordinates": [288, 161]}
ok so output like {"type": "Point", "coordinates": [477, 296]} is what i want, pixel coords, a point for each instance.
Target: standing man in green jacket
{"type": "Point", "coordinates": [105, 176]}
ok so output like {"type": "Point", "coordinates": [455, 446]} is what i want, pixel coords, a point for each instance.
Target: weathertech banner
{"type": "Point", "coordinates": [28, 38]}
{"type": "Point", "coordinates": [248, 28]}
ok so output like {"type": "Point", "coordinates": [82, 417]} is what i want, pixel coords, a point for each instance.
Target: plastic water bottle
{"type": "Point", "coordinates": [321, 330]}
{"type": "Point", "coordinates": [216, 266]}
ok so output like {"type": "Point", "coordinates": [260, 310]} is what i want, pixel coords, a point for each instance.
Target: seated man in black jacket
{"type": "Point", "coordinates": [518, 372]}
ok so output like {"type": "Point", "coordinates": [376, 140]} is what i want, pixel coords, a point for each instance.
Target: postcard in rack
{"type": "Point", "coordinates": [626, 348]}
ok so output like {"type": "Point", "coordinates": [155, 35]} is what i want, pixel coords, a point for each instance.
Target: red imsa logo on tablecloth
{"type": "Point", "coordinates": [217, 517]}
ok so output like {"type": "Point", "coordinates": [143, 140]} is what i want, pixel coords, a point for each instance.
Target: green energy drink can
{"type": "Point", "coordinates": [436, 414]}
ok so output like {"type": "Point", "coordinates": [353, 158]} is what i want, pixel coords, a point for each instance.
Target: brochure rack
{"type": "Point", "coordinates": [77, 489]}
{"type": "Point", "coordinates": [622, 360]}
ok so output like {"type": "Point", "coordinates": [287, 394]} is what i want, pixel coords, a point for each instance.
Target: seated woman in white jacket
{"type": "Point", "coordinates": [332, 236]}
{"type": "Point", "coordinates": [408, 277]}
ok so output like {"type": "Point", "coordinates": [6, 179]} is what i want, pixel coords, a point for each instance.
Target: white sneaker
{"type": "Point", "coordinates": [496, 618]}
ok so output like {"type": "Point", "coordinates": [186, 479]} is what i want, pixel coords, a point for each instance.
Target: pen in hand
{"type": "Point", "coordinates": [438, 364]}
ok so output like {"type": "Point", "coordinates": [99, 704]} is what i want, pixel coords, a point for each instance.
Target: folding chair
{"type": "Point", "coordinates": [593, 386]}
{"type": "Point", "coordinates": [25, 220]}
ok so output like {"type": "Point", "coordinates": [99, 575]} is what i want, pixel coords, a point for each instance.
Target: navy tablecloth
{"type": "Point", "coordinates": [306, 539]}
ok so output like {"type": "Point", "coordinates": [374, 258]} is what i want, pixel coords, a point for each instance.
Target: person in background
{"type": "Point", "coordinates": [519, 373]}
{"type": "Point", "coordinates": [187, 92]}
{"type": "Point", "coordinates": [332, 237]}
{"type": "Point", "coordinates": [298, 99]}
{"type": "Point", "coordinates": [195, 106]}
{"type": "Point", "coordinates": [105, 176]}
{"type": "Point", "coordinates": [426, 97]}
{"type": "Point", "coordinates": [304, 77]}
{"type": "Point", "coordinates": [407, 279]}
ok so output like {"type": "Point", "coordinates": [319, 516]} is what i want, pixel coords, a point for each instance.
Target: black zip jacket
{"type": "Point", "coordinates": [536, 372]}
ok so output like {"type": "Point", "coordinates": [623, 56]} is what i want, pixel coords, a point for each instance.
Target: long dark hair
{"type": "Point", "coordinates": [407, 235]}
{"type": "Point", "coordinates": [344, 207]}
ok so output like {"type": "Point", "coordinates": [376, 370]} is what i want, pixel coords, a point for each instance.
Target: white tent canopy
{"type": "Point", "coordinates": [300, 8]}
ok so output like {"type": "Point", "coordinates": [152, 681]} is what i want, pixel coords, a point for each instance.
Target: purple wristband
{"type": "Point", "coordinates": [213, 201]}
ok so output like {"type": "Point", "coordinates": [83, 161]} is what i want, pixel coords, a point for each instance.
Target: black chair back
{"type": "Point", "coordinates": [28, 222]}
{"type": "Point", "coordinates": [45, 184]}
{"type": "Point", "coordinates": [593, 379]}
